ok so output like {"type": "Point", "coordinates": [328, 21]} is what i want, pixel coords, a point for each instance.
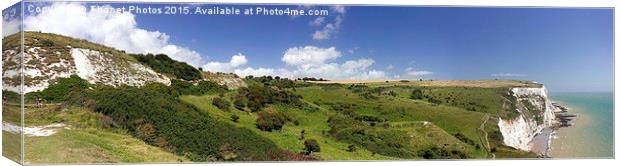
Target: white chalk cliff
{"type": "Point", "coordinates": [44, 65]}
{"type": "Point", "coordinates": [532, 103]}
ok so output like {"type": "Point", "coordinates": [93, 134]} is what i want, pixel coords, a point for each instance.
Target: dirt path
{"type": "Point", "coordinates": [485, 137]}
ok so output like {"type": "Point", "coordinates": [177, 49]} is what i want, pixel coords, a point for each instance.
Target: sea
{"type": "Point", "coordinates": [591, 135]}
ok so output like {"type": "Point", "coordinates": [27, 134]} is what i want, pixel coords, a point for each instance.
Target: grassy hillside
{"type": "Point", "coordinates": [88, 138]}
{"type": "Point", "coordinates": [448, 122]}
{"type": "Point", "coordinates": [259, 118]}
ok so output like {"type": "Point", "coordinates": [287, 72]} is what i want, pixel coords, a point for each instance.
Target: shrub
{"type": "Point", "coordinates": [442, 153]}
{"type": "Point", "coordinates": [417, 94]}
{"type": "Point", "coordinates": [161, 63]}
{"type": "Point", "coordinates": [61, 90]}
{"type": "Point", "coordinates": [351, 148]}
{"type": "Point", "coordinates": [464, 139]}
{"type": "Point", "coordinates": [259, 96]}
{"type": "Point", "coordinates": [234, 118]}
{"type": "Point", "coordinates": [239, 103]}
{"type": "Point", "coordinates": [311, 146]}
{"type": "Point", "coordinates": [220, 103]}
{"type": "Point", "coordinates": [201, 88]}
{"type": "Point", "coordinates": [269, 120]}
{"type": "Point", "coordinates": [45, 43]}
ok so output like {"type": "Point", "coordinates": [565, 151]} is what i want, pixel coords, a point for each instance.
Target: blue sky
{"type": "Point", "coordinates": [567, 49]}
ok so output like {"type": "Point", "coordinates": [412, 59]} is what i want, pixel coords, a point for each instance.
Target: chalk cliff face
{"type": "Point", "coordinates": [44, 65]}
{"type": "Point", "coordinates": [535, 113]}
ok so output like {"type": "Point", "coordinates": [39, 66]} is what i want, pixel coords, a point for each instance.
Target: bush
{"type": "Point", "coordinates": [442, 153]}
{"type": "Point", "coordinates": [311, 146]}
{"type": "Point", "coordinates": [220, 103]}
{"type": "Point", "coordinates": [201, 88]}
{"type": "Point", "coordinates": [61, 90]}
{"type": "Point", "coordinates": [417, 94]}
{"type": "Point", "coordinates": [234, 118]}
{"type": "Point", "coordinates": [466, 140]}
{"type": "Point", "coordinates": [269, 120]}
{"type": "Point", "coordinates": [45, 43]}
{"type": "Point", "coordinates": [351, 148]}
{"type": "Point", "coordinates": [163, 64]}
{"type": "Point", "coordinates": [259, 96]}
{"type": "Point", "coordinates": [239, 103]}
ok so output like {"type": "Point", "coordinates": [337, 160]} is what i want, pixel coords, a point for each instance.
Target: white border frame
{"type": "Point", "coordinates": [512, 3]}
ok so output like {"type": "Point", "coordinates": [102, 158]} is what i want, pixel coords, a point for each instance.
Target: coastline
{"type": "Point", "coordinates": [541, 143]}
{"type": "Point", "coordinates": [589, 135]}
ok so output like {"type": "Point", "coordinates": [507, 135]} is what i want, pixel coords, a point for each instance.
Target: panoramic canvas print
{"type": "Point", "coordinates": [197, 82]}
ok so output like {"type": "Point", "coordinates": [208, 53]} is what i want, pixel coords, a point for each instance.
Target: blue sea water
{"type": "Point", "coordinates": [591, 136]}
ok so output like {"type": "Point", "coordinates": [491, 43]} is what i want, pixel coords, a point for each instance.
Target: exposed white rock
{"type": "Point", "coordinates": [519, 132]}
{"type": "Point", "coordinates": [36, 131]}
{"type": "Point", "coordinates": [82, 63]}
{"type": "Point", "coordinates": [97, 67]}
{"type": "Point", "coordinates": [44, 65]}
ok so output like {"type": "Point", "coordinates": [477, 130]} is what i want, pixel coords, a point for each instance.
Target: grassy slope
{"type": "Point", "coordinates": [87, 141]}
{"type": "Point", "coordinates": [450, 119]}
{"type": "Point", "coordinates": [445, 119]}
{"type": "Point", "coordinates": [287, 138]}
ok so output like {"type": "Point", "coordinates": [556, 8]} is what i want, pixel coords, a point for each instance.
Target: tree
{"type": "Point", "coordinates": [311, 146]}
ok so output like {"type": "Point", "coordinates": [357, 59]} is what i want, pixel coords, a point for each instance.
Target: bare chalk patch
{"type": "Point", "coordinates": [36, 131]}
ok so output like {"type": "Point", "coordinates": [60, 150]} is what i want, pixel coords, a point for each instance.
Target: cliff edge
{"type": "Point", "coordinates": [536, 112]}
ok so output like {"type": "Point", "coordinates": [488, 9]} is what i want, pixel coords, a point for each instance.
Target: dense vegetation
{"type": "Point", "coordinates": [62, 90]}
{"type": "Point", "coordinates": [160, 119]}
{"type": "Point", "coordinates": [360, 116]}
{"type": "Point", "coordinates": [161, 63]}
{"type": "Point", "coordinates": [257, 97]}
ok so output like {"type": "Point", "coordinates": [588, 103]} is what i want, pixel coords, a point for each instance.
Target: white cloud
{"type": "Point", "coordinates": [338, 8]}
{"type": "Point", "coordinates": [308, 61]}
{"type": "Point", "coordinates": [309, 55]}
{"type": "Point", "coordinates": [351, 51]}
{"type": "Point", "coordinates": [389, 67]}
{"type": "Point", "coordinates": [227, 67]}
{"type": "Point", "coordinates": [502, 74]}
{"type": "Point", "coordinates": [416, 73]}
{"type": "Point", "coordinates": [118, 30]}
{"type": "Point", "coordinates": [329, 30]}
{"type": "Point", "coordinates": [318, 21]}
